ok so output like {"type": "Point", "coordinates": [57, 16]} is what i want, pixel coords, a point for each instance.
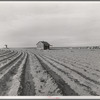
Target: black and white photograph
{"type": "Point", "coordinates": [49, 48]}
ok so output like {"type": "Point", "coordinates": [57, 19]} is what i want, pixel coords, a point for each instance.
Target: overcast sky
{"type": "Point", "coordinates": [23, 24]}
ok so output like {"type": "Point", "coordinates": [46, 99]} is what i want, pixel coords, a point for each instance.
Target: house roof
{"type": "Point", "coordinates": [44, 42]}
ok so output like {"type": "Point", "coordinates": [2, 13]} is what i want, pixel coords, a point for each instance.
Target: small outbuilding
{"type": "Point", "coordinates": [43, 45]}
{"type": "Point", "coordinates": [6, 46]}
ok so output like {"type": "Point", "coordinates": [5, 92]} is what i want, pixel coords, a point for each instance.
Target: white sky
{"type": "Point", "coordinates": [23, 24]}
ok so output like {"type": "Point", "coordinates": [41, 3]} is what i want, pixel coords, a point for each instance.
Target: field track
{"type": "Point", "coordinates": [28, 72]}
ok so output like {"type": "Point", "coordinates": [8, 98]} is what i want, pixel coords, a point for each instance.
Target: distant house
{"type": "Point", "coordinates": [43, 45]}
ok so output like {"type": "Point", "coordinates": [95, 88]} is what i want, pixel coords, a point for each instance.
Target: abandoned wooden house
{"type": "Point", "coordinates": [43, 45]}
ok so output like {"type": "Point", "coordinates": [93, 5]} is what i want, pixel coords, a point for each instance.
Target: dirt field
{"type": "Point", "coordinates": [58, 72]}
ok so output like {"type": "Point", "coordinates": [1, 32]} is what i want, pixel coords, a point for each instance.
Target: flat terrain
{"type": "Point", "coordinates": [57, 72]}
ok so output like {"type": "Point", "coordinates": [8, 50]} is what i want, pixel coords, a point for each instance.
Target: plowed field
{"type": "Point", "coordinates": [64, 72]}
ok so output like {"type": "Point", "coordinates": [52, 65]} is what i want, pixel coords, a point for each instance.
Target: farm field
{"type": "Point", "coordinates": [58, 72]}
